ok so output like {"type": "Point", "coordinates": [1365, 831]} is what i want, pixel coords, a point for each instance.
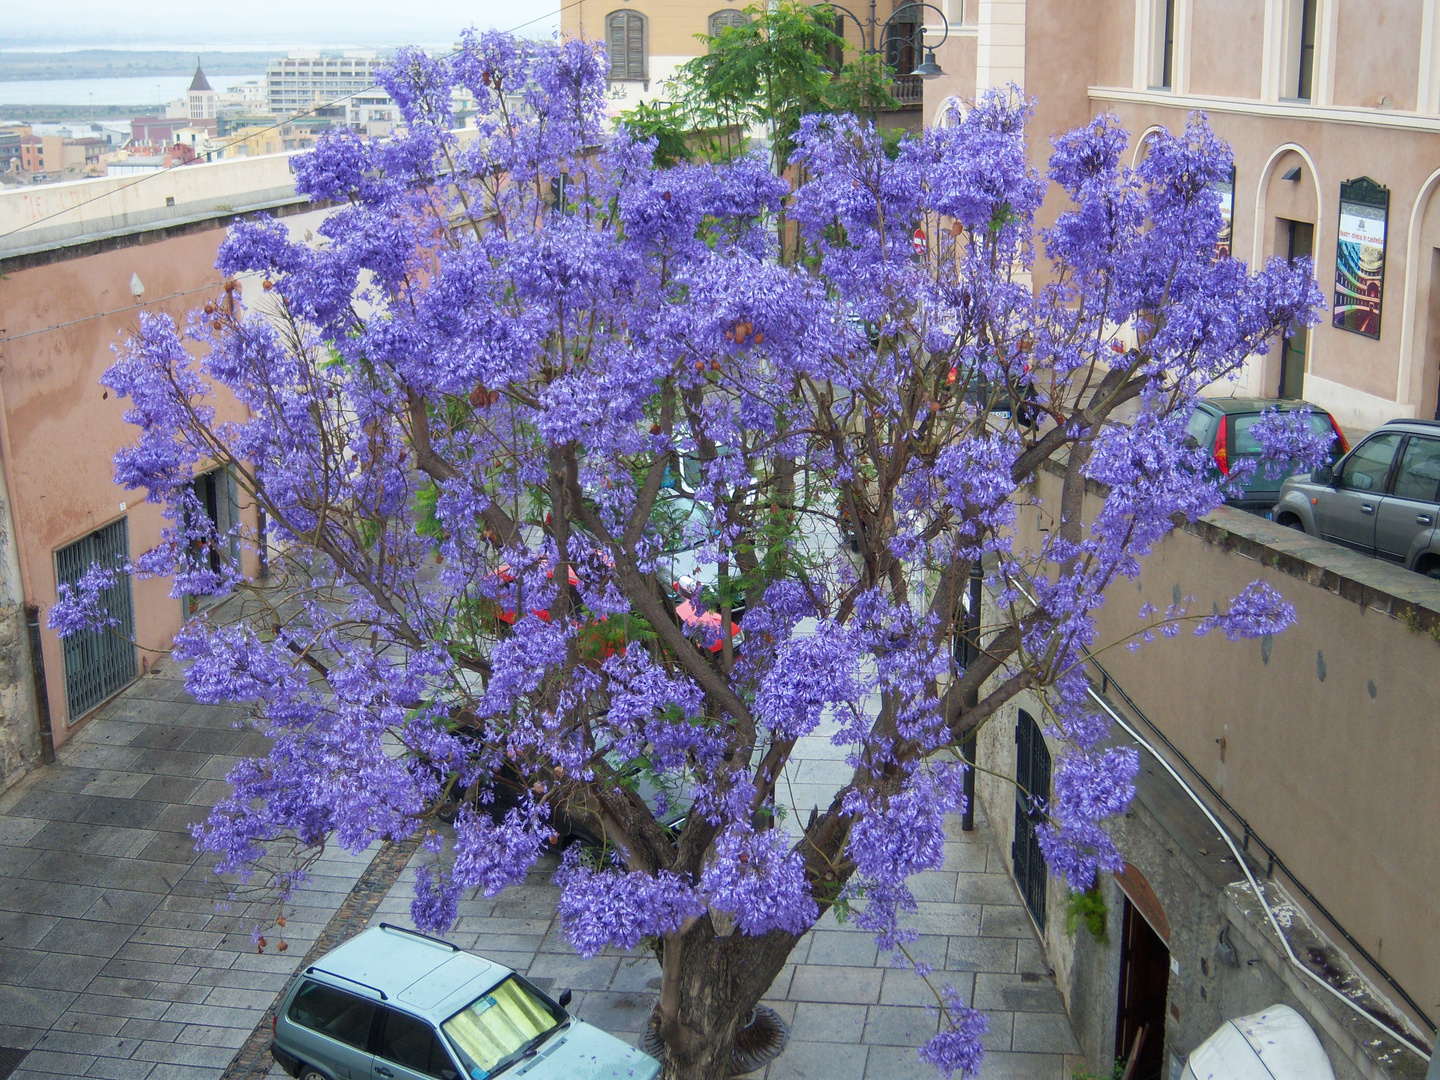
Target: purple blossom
{"type": "Point", "coordinates": [461, 395]}
{"type": "Point", "coordinates": [1257, 611]}
{"type": "Point", "coordinates": [956, 1048]}
{"type": "Point", "coordinates": [760, 881]}
{"type": "Point", "coordinates": [600, 908]}
{"type": "Point", "coordinates": [82, 605]}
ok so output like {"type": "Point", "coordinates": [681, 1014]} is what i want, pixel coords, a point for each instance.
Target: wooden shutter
{"type": "Point", "coordinates": [721, 19]}
{"type": "Point", "coordinates": [615, 43]}
{"type": "Point", "coordinates": [625, 40]}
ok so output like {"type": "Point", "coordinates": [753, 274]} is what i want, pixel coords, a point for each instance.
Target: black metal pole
{"type": "Point", "coordinates": [42, 695]}
{"type": "Point", "coordinates": [972, 652]}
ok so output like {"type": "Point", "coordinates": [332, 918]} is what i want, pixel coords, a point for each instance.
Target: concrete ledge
{"type": "Point", "coordinates": [1372, 583]}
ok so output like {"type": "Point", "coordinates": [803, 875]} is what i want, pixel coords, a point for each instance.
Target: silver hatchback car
{"type": "Point", "coordinates": [1382, 498]}
{"type": "Point", "coordinates": [393, 1004]}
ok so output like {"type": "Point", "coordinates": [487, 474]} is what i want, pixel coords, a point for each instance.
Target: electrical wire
{"type": "Point", "coordinates": [313, 110]}
{"type": "Point", "coordinates": [115, 311]}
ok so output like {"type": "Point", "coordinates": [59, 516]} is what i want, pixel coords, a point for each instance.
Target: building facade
{"type": "Point", "coordinates": [1332, 108]}
{"type": "Point", "coordinates": [338, 88]}
{"type": "Point", "coordinates": [647, 40]}
{"type": "Point", "coordinates": [1302, 764]}
{"type": "Point", "coordinates": [200, 98]}
{"type": "Point", "coordinates": [79, 263]}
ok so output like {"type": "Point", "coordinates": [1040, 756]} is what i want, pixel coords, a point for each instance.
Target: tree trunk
{"type": "Point", "coordinates": [716, 984]}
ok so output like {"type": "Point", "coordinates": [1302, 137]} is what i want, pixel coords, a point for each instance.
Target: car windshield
{"type": "Point", "coordinates": [499, 1026]}
{"type": "Point", "coordinates": [1246, 443]}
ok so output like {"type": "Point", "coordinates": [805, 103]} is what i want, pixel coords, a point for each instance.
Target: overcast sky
{"type": "Point", "coordinates": [261, 23]}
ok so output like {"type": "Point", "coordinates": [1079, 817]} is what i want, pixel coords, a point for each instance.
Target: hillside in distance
{"type": "Point", "coordinates": [123, 63]}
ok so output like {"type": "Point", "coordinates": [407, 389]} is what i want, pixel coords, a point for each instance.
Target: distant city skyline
{"type": "Point", "coordinates": [266, 24]}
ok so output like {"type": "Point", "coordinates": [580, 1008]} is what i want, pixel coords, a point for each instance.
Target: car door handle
{"type": "Point", "coordinates": [380, 1070]}
{"type": "Point", "coordinates": [1366, 508]}
{"type": "Point", "coordinates": [1424, 519]}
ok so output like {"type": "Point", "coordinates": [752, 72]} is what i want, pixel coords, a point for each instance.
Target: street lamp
{"type": "Point", "coordinates": [877, 33]}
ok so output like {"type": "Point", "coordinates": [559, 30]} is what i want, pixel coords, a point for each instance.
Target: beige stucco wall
{"type": "Point", "coordinates": [1226, 48]}
{"type": "Point", "coordinates": [61, 428]}
{"type": "Point", "coordinates": [1377, 52]}
{"type": "Point", "coordinates": [1330, 730]}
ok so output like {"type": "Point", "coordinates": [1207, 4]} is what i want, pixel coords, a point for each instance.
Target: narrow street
{"type": "Point", "coordinates": [115, 962]}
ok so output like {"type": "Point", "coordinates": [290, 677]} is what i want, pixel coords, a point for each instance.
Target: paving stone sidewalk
{"type": "Point", "coordinates": [114, 961]}
{"type": "Point", "coordinates": [853, 1016]}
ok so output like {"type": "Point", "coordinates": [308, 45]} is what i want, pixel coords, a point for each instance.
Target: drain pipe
{"type": "Point", "coordinates": [42, 695]}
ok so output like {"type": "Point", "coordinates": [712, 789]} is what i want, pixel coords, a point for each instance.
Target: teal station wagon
{"type": "Point", "coordinates": [393, 1004]}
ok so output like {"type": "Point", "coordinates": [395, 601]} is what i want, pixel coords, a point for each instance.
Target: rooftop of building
{"type": "Point", "coordinates": [199, 84]}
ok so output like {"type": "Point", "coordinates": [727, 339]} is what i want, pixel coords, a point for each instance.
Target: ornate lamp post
{"type": "Point", "coordinates": [874, 33]}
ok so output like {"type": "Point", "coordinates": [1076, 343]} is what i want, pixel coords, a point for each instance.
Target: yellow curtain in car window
{"type": "Point", "coordinates": [499, 1023]}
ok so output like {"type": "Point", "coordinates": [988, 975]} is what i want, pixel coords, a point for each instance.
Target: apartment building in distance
{"type": "Point", "coordinates": [334, 87]}
{"type": "Point", "coordinates": [1332, 108]}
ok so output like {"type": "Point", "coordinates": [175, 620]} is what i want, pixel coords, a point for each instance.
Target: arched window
{"type": "Point", "coordinates": [625, 33]}
{"type": "Point", "coordinates": [951, 112]}
{"type": "Point", "coordinates": [721, 19]}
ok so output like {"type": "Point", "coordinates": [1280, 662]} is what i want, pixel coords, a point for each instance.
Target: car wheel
{"type": "Point", "coordinates": [1291, 522]}
{"type": "Point", "coordinates": [1433, 571]}
{"type": "Point", "coordinates": [307, 1073]}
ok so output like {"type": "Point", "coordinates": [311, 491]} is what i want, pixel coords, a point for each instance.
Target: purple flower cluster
{"type": "Point", "coordinates": [519, 370]}
{"type": "Point", "coordinates": [600, 908]}
{"type": "Point", "coordinates": [759, 880]}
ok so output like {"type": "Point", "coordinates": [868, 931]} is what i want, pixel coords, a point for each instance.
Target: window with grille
{"type": "Point", "coordinates": [98, 663]}
{"type": "Point", "coordinates": [625, 40]}
{"type": "Point", "coordinates": [722, 19]}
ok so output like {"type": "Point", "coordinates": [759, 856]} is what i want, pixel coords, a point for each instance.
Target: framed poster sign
{"type": "Point", "coordinates": [1224, 243]}
{"type": "Point", "coordinates": [1360, 257]}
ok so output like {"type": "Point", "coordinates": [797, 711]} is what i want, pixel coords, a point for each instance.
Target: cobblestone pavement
{"type": "Point", "coordinates": [853, 1016]}
{"type": "Point", "coordinates": [114, 961]}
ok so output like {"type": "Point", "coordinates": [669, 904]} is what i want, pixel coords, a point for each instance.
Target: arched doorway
{"type": "Point", "coordinates": [1032, 796]}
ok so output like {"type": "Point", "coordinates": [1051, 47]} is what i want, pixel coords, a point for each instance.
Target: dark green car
{"type": "Point", "coordinates": [1222, 426]}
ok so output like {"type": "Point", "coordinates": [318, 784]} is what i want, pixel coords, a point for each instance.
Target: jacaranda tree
{"type": "Point", "coordinates": [471, 400]}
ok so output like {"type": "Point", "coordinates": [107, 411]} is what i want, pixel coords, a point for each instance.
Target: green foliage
{"type": "Point", "coordinates": [1116, 1072]}
{"type": "Point", "coordinates": [1090, 910]}
{"type": "Point", "coordinates": [665, 122]}
{"type": "Point", "coordinates": [768, 73]}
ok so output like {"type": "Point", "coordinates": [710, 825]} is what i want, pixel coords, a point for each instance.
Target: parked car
{"type": "Point", "coordinates": [394, 1004]}
{"type": "Point", "coordinates": [1382, 498]}
{"type": "Point", "coordinates": [1223, 426]}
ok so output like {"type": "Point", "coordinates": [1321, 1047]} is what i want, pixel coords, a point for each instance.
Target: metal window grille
{"type": "Point", "coordinates": [99, 662]}
{"type": "Point", "coordinates": [625, 39]}
{"type": "Point", "coordinates": [1032, 772]}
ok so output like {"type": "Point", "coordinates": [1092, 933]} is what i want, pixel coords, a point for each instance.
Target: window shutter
{"type": "Point", "coordinates": [634, 46]}
{"type": "Point", "coordinates": [722, 19]}
{"type": "Point", "coordinates": [615, 43]}
{"type": "Point", "coordinates": [625, 41]}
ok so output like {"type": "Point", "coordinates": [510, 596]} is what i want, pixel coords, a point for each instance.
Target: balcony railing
{"type": "Point", "coordinates": [908, 89]}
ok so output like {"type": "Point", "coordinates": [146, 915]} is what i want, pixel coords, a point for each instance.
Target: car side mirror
{"type": "Point", "coordinates": [449, 1074]}
{"type": "Point", "coordinates": [1325, 474]}
{"type": "Point", "coordinates": [564, 998]}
